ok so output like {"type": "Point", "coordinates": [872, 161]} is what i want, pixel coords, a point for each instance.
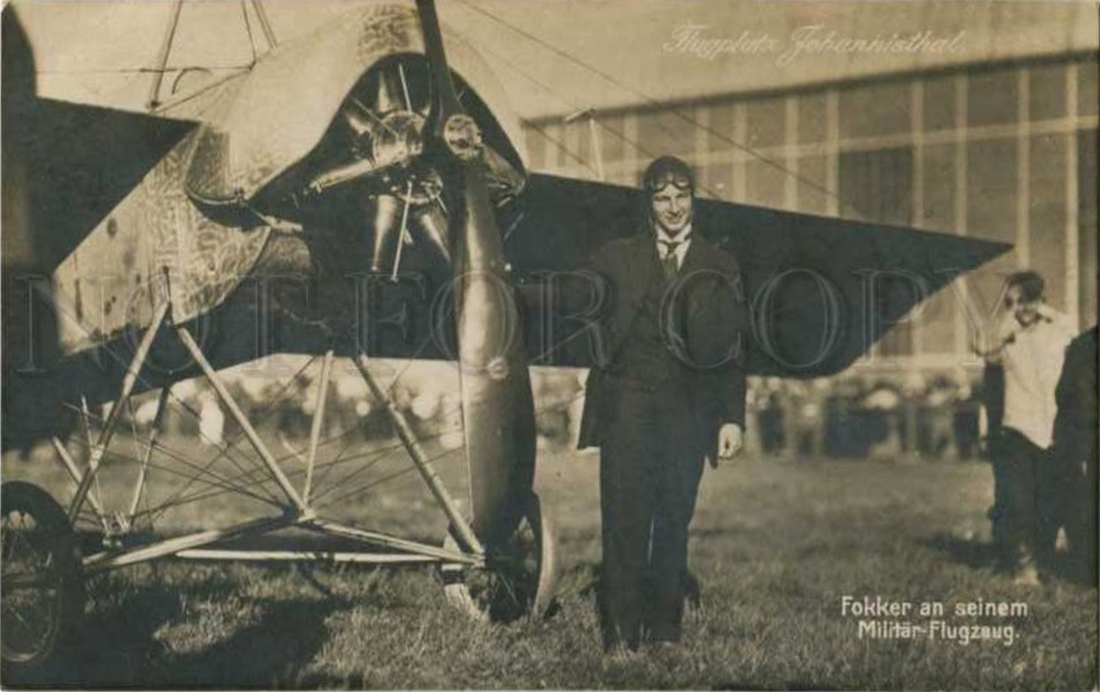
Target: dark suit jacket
{"type": "Point", "coordinates": [710, 336]}
{"type": "Point", "coordinates": [1075, 423]}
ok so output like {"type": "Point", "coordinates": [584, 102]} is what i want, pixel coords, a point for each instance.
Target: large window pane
{"type": "Point", "coordinates": [991, 211]}
{"type": "Point", "coordinates": [991, 97]}
{"type": "Point", "coordinates": [663, 133]}
{"type": "Point", "coordinates": [1086, 87]}
{"type": "Point", "coordinates": [880, 109]}
{"type": "Point", "coordinates": [878, 184]}
{"type": "Point", "coordinates": [767, 121]}
{"type": "Point", "coordinates": [764, 184]}
{"type": "Point", "coordinates": [1047, 214]}
{"type": "Point", "coordinates": [939, 187]}
{"type": "Point", "coordinates": [721, 127]}
{"type": "Point", "coordinates": [991, 189]}
{"type": "Point", "coordinates": [1048, 92]}
{"type": "Point", "coordinates": [811, 118]}
{"type": "Point", "coordinates": [939, 103]}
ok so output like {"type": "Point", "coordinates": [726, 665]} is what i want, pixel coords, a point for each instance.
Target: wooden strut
{"type": "Point", "coordinates": [374, 538]}
{"type": "Point", "coordinates": [336, 557]}
{"type": "Point", "coordinates": [74, 473]}
{"type": "Point", "coordinates": [318, 423]}
{"type": "Point", "coordinates": [158, 422]}
{"type": "Point", "coordinates": [171, 546]}
{"type": "Point", "coordinates": [253, 437]}
{"type": "Point", "coordinates": [421, 461]}
{"type": "Point", "coordinates": [108, 430]}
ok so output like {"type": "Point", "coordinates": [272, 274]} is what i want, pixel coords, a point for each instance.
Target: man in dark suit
{"type": "Point", "coordinates": [1075, 452]}
{"type": "Point", "coordinates": [669, 394]}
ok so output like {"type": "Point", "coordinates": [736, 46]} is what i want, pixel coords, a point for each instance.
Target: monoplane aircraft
{"type": "Point", "coordinates": [356, 193]}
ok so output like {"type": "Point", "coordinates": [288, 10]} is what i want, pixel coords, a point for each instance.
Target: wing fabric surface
{"type": "Point", "coordinates": [84, 161]}
{"type": "Point", "coordinates": [822, 290]}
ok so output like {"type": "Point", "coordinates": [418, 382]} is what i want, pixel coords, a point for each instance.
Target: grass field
{"type": "Point", "coordinates": [775, 545]}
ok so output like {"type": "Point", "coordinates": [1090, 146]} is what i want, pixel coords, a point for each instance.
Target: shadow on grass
{"type": "Point", "coordinates": [117, 647]}
{"type": "Point", "coordinates": [272, 652]}
{"type": "Point", "coordinates": [973, 554]}
{"type": "Point", "coordinates": [978, 555]}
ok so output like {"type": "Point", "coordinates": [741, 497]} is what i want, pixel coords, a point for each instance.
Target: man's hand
{"type": "Point", "coordinates": [730, 441]}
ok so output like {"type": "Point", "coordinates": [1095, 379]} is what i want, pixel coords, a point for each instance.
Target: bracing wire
{"type": "Point", "coordinates": [678, 113]}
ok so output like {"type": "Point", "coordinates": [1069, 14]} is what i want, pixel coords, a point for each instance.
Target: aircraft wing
{"type": "Point", "coordinates": [95, 157]}
{"type": "Point", "coordinates": [70, 164]}
{"type": "Point", "coordinates": [822, 290]}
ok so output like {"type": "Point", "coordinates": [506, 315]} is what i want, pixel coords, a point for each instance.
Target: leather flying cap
{"type": "Point", "coordinates": [665, 170]}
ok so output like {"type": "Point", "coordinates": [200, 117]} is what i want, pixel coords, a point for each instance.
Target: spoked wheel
{"type": "Point", "coordinates": [42, 594]}
{"type": "Point", "coordinates": [518, 578]}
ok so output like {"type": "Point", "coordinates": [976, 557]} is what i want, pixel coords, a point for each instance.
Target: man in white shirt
{"type": "Point", "coordinates": [1031, 349]}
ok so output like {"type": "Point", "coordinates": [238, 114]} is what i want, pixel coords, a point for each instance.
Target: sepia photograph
{"type": "Point", "coordinates": [567, 344]}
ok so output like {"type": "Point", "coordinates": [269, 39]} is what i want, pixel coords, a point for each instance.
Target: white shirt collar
{"type": "Point", "coordinates": [683, 237]}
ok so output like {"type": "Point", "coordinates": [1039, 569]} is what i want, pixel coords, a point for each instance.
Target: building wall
{"type": "Point", "coordinates": [1005, 151]}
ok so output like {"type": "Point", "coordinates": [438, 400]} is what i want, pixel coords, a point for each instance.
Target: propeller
{"type": "Point", "coordinates": [497, 405]}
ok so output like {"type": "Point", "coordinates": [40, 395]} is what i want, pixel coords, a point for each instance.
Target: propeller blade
{"type": "Point", "coordinates": [445, 103]}
{"type": "Point", "coordinates": [497, 404]}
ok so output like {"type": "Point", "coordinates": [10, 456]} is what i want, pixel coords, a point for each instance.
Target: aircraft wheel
{"type": "Point", "coordinates": [519, 577]}
{"type": "Point", "coordinates": [43, 594]}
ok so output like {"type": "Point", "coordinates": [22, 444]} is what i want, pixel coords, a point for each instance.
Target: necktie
{"type": "Point", "coordinates": [668, 261]}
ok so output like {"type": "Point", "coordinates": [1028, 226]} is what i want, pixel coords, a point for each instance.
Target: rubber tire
{"type": "Point", "coordinates": [66, 605]}
{"type": "Point", "coordinates": [533, 592]}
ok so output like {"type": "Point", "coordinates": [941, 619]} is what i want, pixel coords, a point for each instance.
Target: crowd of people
{"type": "Point", "coordinates": [929, 417]}
{"type": "Point", "coordinates": [916, 416]}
